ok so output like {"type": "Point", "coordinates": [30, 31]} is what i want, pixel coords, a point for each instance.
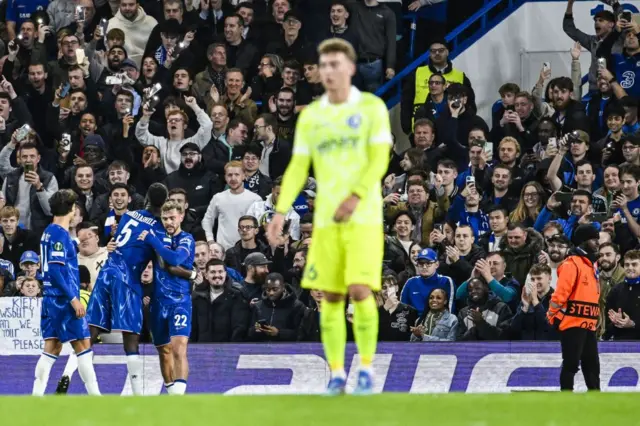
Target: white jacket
{"type": "Point", "coordinates": [259, 208]}
{"type": "Point", "coordinates": [170, 150]}
{"type": "Point", "coordinates": [136, 32]}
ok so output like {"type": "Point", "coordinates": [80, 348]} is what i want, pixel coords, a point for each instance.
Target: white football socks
{"type": "Point", "coordinates": [43, 369]}
{"type": "Point", "coordinates": [136, 371]}
{"type": "Point", "coordinates": [87, 372]}
{"type": "Point", "coordinates": [179, 387]}
{"type": "Point", "coordinates": [72, 365]}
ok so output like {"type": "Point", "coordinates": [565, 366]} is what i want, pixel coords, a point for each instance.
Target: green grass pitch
{"type": "Point", "coordinates": [516, 409]}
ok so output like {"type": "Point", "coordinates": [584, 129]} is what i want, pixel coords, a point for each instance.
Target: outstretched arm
{"type": "Point", "coordinates": [172, 257]}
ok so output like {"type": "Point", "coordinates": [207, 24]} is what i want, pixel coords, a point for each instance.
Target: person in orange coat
{"type": "Point", "coordinates": [574, 310]}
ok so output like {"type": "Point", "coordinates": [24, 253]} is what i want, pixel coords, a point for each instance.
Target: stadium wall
{"type": "Point", "coordinates": [301, 369]}
{"type": "Point", "coordinates": [515, 49]}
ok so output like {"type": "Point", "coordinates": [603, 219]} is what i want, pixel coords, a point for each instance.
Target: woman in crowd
{"type": "Point", "coordinates": [531, 202]}
{"type": "Point", "coordinates": [437, 323]}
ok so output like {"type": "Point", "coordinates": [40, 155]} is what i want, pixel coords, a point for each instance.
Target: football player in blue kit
{"type": "Point", "coordinates": [63, 315]}
{"type": "Point", "coordinates": [171, 299]}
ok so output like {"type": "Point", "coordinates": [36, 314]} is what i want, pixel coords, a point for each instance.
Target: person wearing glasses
{"type": "Point", "coordinates": [436, 100]}
{"type": "Point", "coordinates": [177, 122]}
{"type": "Point", "coordinates": [248, 229]}
{"type": "Point", "coordinates": [276, 153]}
{"type": "Point", "coordinates": [200, 183]}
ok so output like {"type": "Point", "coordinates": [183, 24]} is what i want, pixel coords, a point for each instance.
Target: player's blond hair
{"type": "Point", "coordinates": [172, 205]}
{"type": "Point", "coordinates": [338, 45]}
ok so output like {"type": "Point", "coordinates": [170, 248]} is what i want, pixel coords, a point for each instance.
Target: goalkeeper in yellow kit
{"type": "Point", "coordinates": [346, 135]}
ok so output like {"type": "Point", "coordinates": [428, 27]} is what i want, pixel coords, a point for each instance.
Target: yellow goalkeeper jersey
{"type": "Point", "coordinates": [349, 146]}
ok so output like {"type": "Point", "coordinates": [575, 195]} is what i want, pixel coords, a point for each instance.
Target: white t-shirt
{"type": "Point", "coordinates": [228, 208]}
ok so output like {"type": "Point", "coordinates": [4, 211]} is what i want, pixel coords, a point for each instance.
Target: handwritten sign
{"type": "Point", "coordinates": [20, 326]}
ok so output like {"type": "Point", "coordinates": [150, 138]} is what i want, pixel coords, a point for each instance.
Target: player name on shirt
{"type": "Point", "coordinates": [146, 219]}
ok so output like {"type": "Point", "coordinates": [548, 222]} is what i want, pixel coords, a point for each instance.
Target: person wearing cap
{"type": "Point", "coordinates": [604, 22]}
{"type": "Point", "coordinates": [415, 92]}
{"type": "Point", "coordinates": [30, 263]}
{"type": "Point", "coordinates": [200, 183]}
{"type": "Point", "coordinates": [259, 208]}
{"type": "Point", "coordinates": [417, 289]}
{"type": "Point", "coordinates": [574, 310]}
{"type": "Point", "coordinates": [291, 45]}
{"type": "Point", "coordinates": [257, 268]}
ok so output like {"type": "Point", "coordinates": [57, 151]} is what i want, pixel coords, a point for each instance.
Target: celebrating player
{"type": "Point", "coordinates": [116, 300]}
{"type": "Point", "coordinates": [63, 315]}
{"type": "Point", "coordinates": [347, 136]}
{"type": "Point", "coordinates": [171, 302]}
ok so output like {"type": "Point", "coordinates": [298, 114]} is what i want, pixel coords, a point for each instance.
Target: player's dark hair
{"type": "Point", "coordinates": [448, 164]}
{"type": "Point", "coordinates": [61, 203]}
{"type": "Point", "coordinates": [88, 225]}
{"type": "Point", "coordinates": [630, 169]}
{"type": "Point", "coordinates": [275, 276]}
{"type": "Point", "coordinates": [126, 93]}
{"type": "Point", "coordinates": [253, 148]}
{"type": "Point", "coordinates": [120, 186]}
{"type": "Point", "coordinates": [249, 217]}
{"type": "Point", "coordinates": [498, 208]}
{"type": "Point", "coordinates": [156, 195]}
{"type": "Point", "coordinates": [287, 90]}
{"type": "Point", "coordinates": [270, 120]}
{"type": "Point", "coordinates": [584, 162]}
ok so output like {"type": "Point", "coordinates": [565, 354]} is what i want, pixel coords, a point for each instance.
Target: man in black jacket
{"type": "Point", "coordinates": [276, 153]}
{"type": "Point", "coordinates": [278, 315]}
{"type": "Point", "coordinates": [456, 122]}
{"type": "Point", "coordinates": [569, 113]}
{"type": "Point", "coordinates": [192, 176]}
{"type": "Point", "coordinates": [530, 321]}
{"type": "Point", "coordinates": [219, 315]}
{"type": "Point", "coordinates": [248, 229]}
{"type": "Point", "coordinates": [15, 240]}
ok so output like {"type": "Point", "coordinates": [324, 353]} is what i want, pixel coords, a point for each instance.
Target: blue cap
{"type": "Point", "coordinates": [428, 254]}
{"type": "Point", "coordinates": [29, 257]}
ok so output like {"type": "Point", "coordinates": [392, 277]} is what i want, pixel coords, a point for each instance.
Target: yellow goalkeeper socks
{"type": "Point", "coordinates": [333, 326]}
{"type": "Point", "coordinates": [365, 329]}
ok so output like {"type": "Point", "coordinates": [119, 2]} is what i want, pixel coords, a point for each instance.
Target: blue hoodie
{"type": "Point", "coordinates": [416, 291]}
{"type": "Point", "coordinates": [478, 221]}
{"type": "Point", "coordinates": [568, 225]}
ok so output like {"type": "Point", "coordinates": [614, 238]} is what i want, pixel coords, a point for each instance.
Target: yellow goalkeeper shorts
{"type": "Point", "coordinates": [344, 254]}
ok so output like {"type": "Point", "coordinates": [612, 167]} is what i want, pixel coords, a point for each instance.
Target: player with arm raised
{"type": "Point", "coordinates": [116, 300]}
{"type": "Point", "coordinates": [171, 298]}
{"type": "Point", "coordinates": [63, 315]}
{"type": "Point", "coordinates": [346, 135]}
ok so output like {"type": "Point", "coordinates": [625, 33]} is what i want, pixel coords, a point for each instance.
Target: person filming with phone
{"type": "Point", "coordinates": [29, 187]}
{"type": "Point", "coordinates": [580, 212]}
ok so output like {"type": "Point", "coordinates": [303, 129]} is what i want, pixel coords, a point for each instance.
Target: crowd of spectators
{"type": "Point", "coordinates": [203, 96]}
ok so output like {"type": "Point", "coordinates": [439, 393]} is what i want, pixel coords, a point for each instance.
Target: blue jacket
{"type": "Point", "coordinates": [478, 221]}
{"type": "Point", "coordinates": [568, 225]}
{"type": "Point", "coordinates": [416, 291]}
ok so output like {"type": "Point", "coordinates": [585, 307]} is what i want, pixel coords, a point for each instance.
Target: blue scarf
{"type": "Point", "coordinates": [632, 281]}
{"type": "Point", "coordinates": [161, 55]}
{"type": "Point", "coordinates": [109, 223]}
{"type": "Point", "coordinates": [478, 221]}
